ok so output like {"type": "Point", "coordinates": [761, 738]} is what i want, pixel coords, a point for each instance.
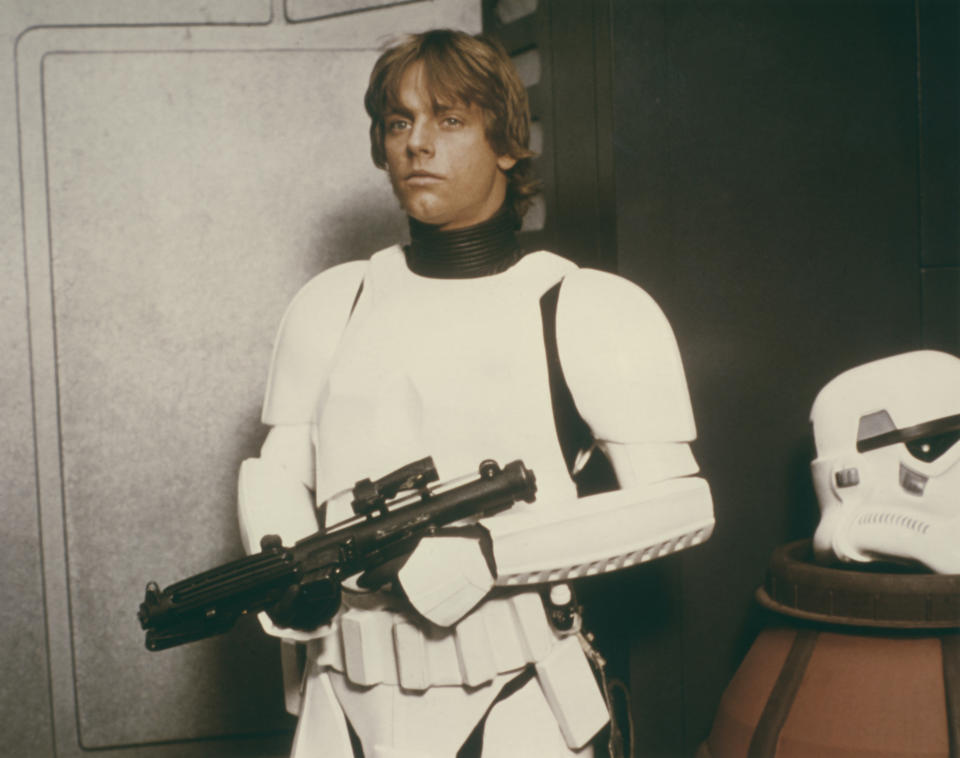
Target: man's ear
{"type": "Point", "coordinates": [506, 162]}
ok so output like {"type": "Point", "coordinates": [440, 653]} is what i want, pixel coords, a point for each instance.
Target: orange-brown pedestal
{"type": "Point", "coordinates": [858, 664]}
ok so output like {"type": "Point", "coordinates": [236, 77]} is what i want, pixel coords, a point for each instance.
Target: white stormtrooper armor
{"type": "Point", "coordinates": [887, 472]}
{"type": "Point", "coordinates": [376, 366]}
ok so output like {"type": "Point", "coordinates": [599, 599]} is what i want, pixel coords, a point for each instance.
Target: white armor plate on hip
{"type": "Point", "coordinates": [380, 646]}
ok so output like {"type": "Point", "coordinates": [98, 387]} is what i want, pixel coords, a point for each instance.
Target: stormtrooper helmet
{"type": "Point", "coordinates": [887, 472]}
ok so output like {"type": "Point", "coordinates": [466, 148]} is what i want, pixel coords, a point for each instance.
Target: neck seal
{"type": "Point", "coordinates": [480, 250]}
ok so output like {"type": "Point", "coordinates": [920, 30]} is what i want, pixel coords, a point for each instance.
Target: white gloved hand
{"type": "Point", "coordinates": [448, 574]}
{"type": "Point", "coordinates": [294, 635]}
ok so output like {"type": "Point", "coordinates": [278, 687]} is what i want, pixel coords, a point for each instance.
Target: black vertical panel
{"type": "Point", "coordinates": [767, 197]}
{"type": "Point", "coordinates": [572, 103]}
{"type": "Point", "coordinates": [577, 52]}
{"type": "Point", "coordinates": [938, 71]}
{"type": "Point", "coordinates": [939, 75]}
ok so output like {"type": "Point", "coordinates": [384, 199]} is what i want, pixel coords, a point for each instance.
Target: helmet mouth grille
{"type": "Point", "coordinates": [926, 442]}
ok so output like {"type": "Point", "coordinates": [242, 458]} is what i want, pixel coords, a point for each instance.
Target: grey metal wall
{"type": "Point", "coordinates": [172, 173]}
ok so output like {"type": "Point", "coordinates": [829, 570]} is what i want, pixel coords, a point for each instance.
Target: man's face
{"type": "Point", "coordinates": [441, 166]}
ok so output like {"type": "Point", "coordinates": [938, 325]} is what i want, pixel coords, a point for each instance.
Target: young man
{"type": "Point", "coordinates": [462, 347]}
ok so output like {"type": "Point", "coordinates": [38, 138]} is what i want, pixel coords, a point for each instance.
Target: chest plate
{"type": "Point", "coordinates": [454, 369]}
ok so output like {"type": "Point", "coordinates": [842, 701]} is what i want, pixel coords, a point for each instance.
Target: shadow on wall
{"type": "Point", "coordinates": [356, 230]}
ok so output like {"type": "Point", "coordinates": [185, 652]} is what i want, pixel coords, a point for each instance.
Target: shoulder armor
{"type": "Point", "coordinates": [548, 265]}
{"type": "Point", "coordinates": [620, 360]}
{"type": "Point", "coordinates": [307, 337]}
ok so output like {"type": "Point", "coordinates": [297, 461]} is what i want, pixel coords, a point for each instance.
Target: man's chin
{"type": "Point", "coordinates": [426, 213]}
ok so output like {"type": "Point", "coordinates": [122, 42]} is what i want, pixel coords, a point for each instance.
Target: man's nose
{"type": "Point", "coordinates": [421, 138]}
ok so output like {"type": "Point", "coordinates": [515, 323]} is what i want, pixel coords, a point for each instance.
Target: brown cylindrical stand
{"type": "Point", "coordinates": [858, 664]}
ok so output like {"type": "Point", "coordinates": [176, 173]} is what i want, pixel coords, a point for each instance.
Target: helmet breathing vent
{"type": "Point", "coordinates": [900, 520]}
{"type": "Point", "coordinates": [848, 477]}
{"type": "Point", "coordinates": [911, 481]}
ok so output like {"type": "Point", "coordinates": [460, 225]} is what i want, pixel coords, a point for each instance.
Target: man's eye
{"type": "Point", "coordinates": [452, 121]}
{"type": "Point", "coordinates": [397, 125]}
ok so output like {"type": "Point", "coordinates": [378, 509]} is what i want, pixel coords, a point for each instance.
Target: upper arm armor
{"type": "Point", "coordinates": [620, 361]}
{"type": "Point", "coordinates": [305, 343]}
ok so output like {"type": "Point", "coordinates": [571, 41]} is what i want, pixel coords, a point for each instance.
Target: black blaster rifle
{"type": "Point", "coordinates": [388, 525]}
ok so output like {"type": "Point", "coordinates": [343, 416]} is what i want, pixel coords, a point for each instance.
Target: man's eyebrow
{"type": "Point", "coordinates": [397, 110]}
{"type": "Point", "coordinates": [441, 108]}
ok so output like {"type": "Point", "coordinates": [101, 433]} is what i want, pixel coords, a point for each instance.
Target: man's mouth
{"type": "Point", "coordinates": [422, 177]}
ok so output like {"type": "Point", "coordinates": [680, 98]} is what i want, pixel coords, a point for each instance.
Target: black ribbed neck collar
{"type": "Point", "coordinates": [480, 250]}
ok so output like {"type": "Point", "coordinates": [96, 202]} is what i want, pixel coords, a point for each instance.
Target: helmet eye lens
{"type": "Point", "coordinates": [930, 448]}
